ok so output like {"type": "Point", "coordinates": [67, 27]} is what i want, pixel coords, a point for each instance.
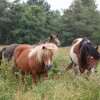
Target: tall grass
{"type": "Point", "coordinates": [60, 85]}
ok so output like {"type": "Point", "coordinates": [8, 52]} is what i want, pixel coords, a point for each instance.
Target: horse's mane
{"type": "Point", "coordinates": [86, 47]}
{"type": "Point", "coordinates": [50, 39]}
{"type": "Point", "coordinates": [38, 50]}
{"type": "Point", "coordinates": [85, 40]}
{"type": "Point", "coordinates": [44, 41]}
{"type": "Point", "coordinates": [47, 40]}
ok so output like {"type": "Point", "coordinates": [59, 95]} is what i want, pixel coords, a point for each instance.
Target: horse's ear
{"type": "Point", "coordinates": [96, 47]}
{"type": "Point", "coordinates": [51, 37]}
{"type": "Point", "coordinates": [43, 47]}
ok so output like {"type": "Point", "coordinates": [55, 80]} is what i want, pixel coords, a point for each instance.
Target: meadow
{"type": "Point", "coordinates": [60, 85]}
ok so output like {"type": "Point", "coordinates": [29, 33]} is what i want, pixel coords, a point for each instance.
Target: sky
{"type": "Point", "coordinates": [62, 4]}
{"type": "Point", "coordinates": [59, 4]}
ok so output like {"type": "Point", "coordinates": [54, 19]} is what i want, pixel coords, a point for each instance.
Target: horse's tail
{"type": "Point", "coordinates": [1, 51]}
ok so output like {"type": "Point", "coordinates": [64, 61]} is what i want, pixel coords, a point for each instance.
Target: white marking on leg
{"type": "Point", "coordinates": [93, 70]}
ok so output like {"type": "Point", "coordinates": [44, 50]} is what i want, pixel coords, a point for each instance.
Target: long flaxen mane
{"type": "Point", "coordinates": [38, 51]}
{"type": "Point", "coordinates": [87, 48]}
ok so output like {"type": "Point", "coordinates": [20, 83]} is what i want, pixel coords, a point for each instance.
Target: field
{"type": "Point", "coordinates": [60, 85]}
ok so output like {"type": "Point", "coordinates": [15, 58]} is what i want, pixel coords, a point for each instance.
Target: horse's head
{"type": "Point", "coordinates": [54, 39]}
{"type": "Point", "coordinates": [44, 54]}
{"type": "Point", "coordinates": [47, 56]}
{"type": "Point", "coordinates": [89, 56]}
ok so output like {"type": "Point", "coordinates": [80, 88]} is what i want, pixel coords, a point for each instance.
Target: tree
{"type": "Point", "coordinates": [4, 20]}
{"type": "Point", "coordinates": [80, 20]}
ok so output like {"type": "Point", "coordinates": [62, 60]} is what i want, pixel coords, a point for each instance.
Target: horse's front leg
{"type": "Point", "coordinates": [34, 77]}
{"type": "Point", "coordinates": [82, 70]}
{"type": "Point", "coordinates": [44, 74]}
{"type": "Point", "coordinates": [70, 66]}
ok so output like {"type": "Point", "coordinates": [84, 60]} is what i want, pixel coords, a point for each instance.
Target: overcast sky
{"type": "Point", "coordinates": [62, 4]}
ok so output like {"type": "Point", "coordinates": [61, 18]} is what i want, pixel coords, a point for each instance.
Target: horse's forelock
{"type": "Point", "coordinates": [38, 50]}
{"type": "Point", "coordinates": [51, 47]}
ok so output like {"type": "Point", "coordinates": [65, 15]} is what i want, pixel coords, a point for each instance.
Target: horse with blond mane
{"type": "Point", "coordinates": [9, 50]}
{"type": "Point", "coordinates": [36, 61]}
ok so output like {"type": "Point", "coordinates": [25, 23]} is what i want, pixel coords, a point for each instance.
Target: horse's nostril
{"type": "Point", "coordinates": [47, 67]}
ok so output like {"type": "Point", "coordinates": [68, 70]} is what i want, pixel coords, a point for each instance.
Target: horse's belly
{"type": "Point", "coordinates": [22, 64]}
{"type": "Point", "coordinates": [23, 67]}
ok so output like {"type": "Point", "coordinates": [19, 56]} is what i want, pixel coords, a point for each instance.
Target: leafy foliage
{"type": "Point", "coordinates": [32, 21]}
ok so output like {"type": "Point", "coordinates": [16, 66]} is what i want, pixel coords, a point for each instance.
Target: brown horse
{"type": "Point", "coordinates": [84, 54]}
{"type": "Point", "coordinates": [9, 50]}
{"type": "Point", "coordinates": [36, 61]}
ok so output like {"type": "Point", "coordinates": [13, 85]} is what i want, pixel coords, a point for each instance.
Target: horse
{"type": "Point", "coordinates": [84, 54]}
{"type": "Point", "coordinates": [35, 60]}
{"type": "Point", "coordinates": [51, 39]}
{"type": "Point", "coordinates": [9, 50]}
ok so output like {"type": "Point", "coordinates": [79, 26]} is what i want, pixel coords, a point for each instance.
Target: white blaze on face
{"type": "Point", "coordinates": [72, 54]}
{"type": "Point", "coordinates": [49, 62]}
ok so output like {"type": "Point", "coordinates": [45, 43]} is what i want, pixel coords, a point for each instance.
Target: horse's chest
{"type": "Point", "coordinates": [74, 51]}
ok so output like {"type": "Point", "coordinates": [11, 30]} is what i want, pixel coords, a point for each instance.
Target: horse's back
{"type": "Point", "coordinates": [9, 51]}
{"type": "Point", "coordinates": [20, 49]}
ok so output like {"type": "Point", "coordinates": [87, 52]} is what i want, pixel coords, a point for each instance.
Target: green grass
{"type": "Point", "coordinates": [60, 85]}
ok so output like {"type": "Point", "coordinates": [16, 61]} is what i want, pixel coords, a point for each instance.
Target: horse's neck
{"type": "Point", "coordinates": [44, 41]}
{"type": "Point", "coordinates": [35, 62]}
{"type": "Point", "coordinates": [76, 49]}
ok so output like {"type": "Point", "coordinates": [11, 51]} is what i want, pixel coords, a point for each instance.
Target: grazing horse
{"type": "Point", "coordinates": [9, 50]}
{"type": "Point", "coordinates": [84, 54]}
{"type": "Point", "coordinates": [35, 61]}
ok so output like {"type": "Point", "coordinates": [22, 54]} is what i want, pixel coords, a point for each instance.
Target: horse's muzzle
{"type": "Point", "coordinates": [58, 44]}
{"type": "Point", "coordinates": [47, 67]}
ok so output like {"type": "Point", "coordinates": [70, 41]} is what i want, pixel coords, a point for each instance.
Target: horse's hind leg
{"type": "Point", "coordinates": [82, 70]}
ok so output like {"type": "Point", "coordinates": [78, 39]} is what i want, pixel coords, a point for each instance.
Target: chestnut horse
{"type": "Point", "coordinates": [36, 61]}
{"type": "Point", "coordinates": [84, 54]}
{"type": "Point", "coordinates": [9, 50]}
